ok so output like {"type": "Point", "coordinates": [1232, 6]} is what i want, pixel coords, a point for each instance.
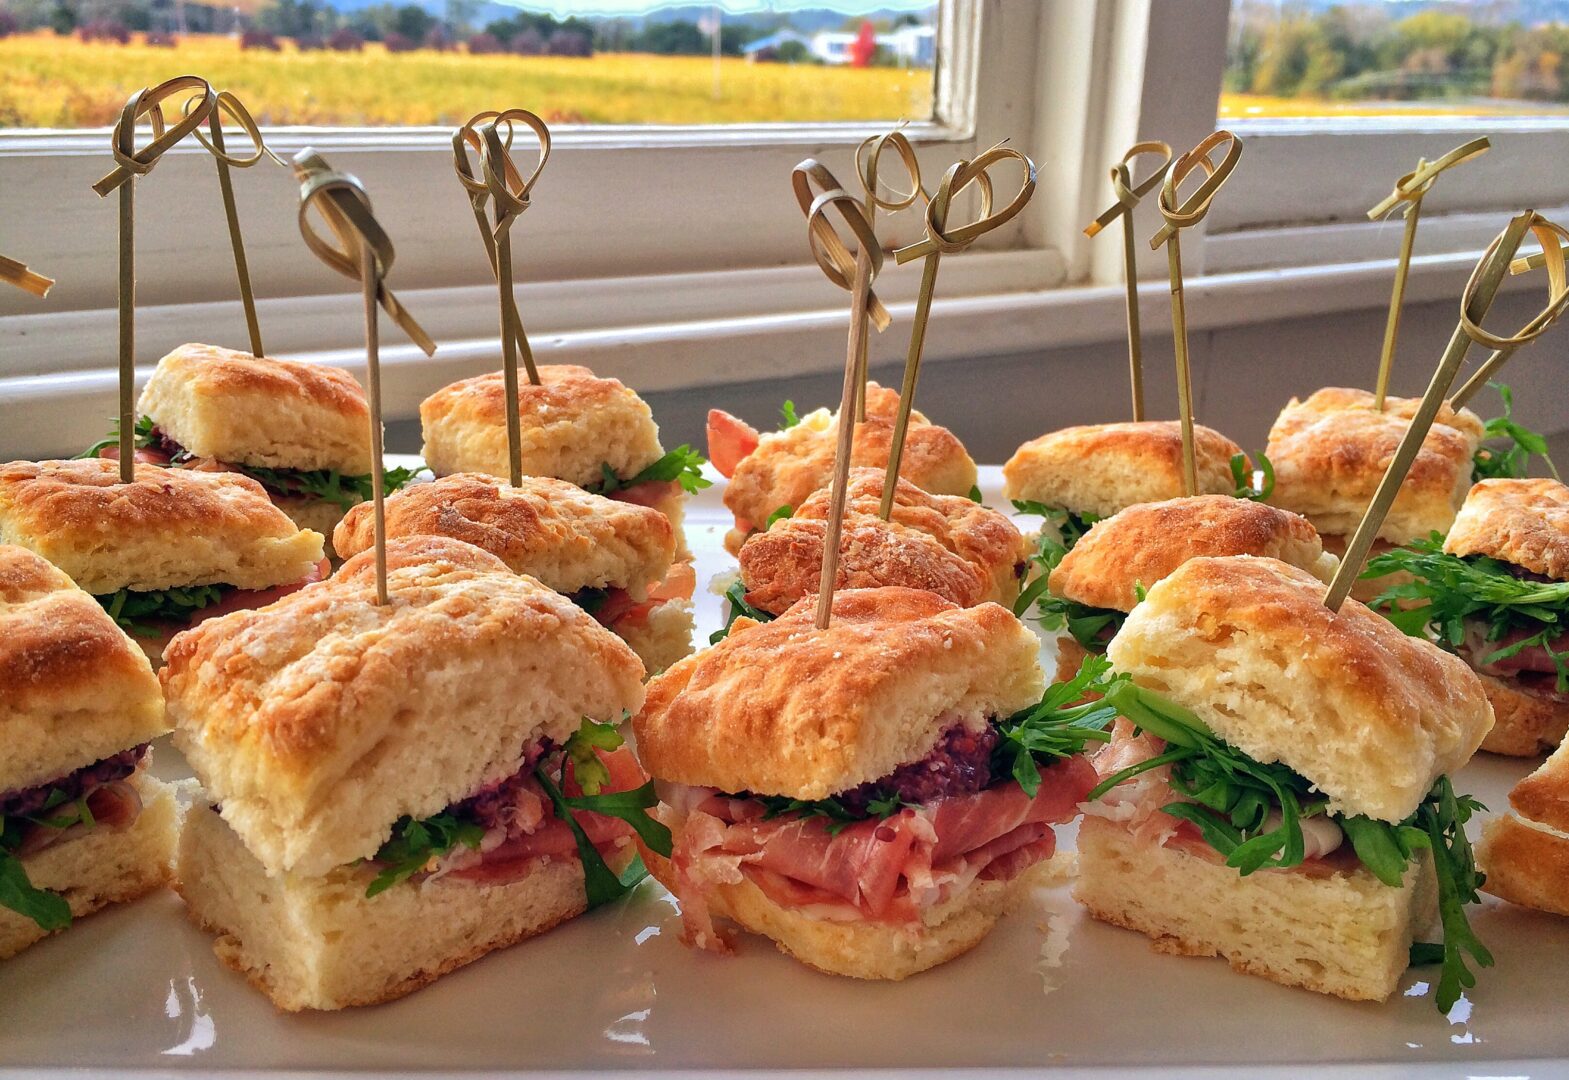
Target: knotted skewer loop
{"type": "Point", "coordinates": [130, 164]}
{"type": "Point", "coordinates": [1128, 194]}
{"type": "Point", "coordinates": [1179, 216]}
{"type": "Point", "coordinates": [29, 281]}
{"type": "Point", "coordinates": [868, 158]}
{"type": "Point", "coordinates": [1477, 298]}
{"type": "Point", "coordinates": [508, 191]}
{"type": "Point", "coordinates": [1410, 189]}
{"type": "Point", "coordinates": [1552, 237]}
{"type": "Point", "coordinates": [226, 102]}
{"type": "Point", "coordinates": [464, 139]}
{"type": "Point", "coordinates": [959, 176]}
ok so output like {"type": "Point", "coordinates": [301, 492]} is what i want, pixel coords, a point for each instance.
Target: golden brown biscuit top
{"type": "Point", "coordinates": [784, 708]}
{"type": "Point", "coordinates": [211, 370]}
{"type": "Point", "coordinates": [790, 465]}
{"type": "Point", "coordinates": [1143, 544]}
{"type": "Point", "coordinates": [946, 544]}
{"type": "Point", "coordinates": [1543, 796]}
{"type": "Point", "coordinates": [565, 392]}
{"type": "Point", "coordinates": [546, 527]}
{"type": "Point", "coordinates": [1524, 522]}
{"type": "Point", "coordinates": [1102, 468]}
{"type": "Point", "coordinates": [60, 652]}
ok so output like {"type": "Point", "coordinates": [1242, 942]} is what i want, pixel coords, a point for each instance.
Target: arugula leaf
{"type": "Point", "coordinates": [1450, 591]}
{"type": "Point", "coordinates": [600, 883]}
{"type": "Point", "coordinates": [778, 515]}
{"type": "Point", "coordinates": [1050, 550]}
{"type": "Point", "coordinates": [1059, 726]}
{"type": "Point", "coordinates": [1072, 527]}
{"type": "Point", "coordinates": [591, 773]}
{"type": "Point", "coordinates": [975, 493]}
{"type": "Point", "coordinates": [735, 596]}
{"type": "Point", "coordinates": [49, 910]}
{"type": "Point", "coordinates": [329, 484]}
{"type": "Point", "coordinates": [414, 843]}
{"type": "Point", "coordinates": [1523, 442]}
{"type": "Point", "coordinates": [788, 417]}
{"type": "Point", "coordinates": [142, 437]}
{"type": "Point", "coordinates": [590, 599]}
{"type": "Point", "coordinates": [1242, 477]}
{"type": "Point", "coordinates": [683, 465]}
{"type": "Point", "coordinates": [1086, 624]}
{"type": "Point", "coordinates": [1251, 813]}
{"type": "Point", "coordinates": [142, 613]}
{"type": "Point", "coordinates": [838, 817]}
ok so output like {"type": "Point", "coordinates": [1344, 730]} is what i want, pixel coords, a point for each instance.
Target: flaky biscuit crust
{"type": "Point", "coordinates": [1543, 796]}
{"type": "Point", "coordinates": [1524, 522]}
{"type": "Point", "coordinates": [1331, 450]}
{"type": "Point", "coordinates": [320, 719]}
{"type": "Point", "coordinates": [279, 414]}
{"type": "Point", "coordinates": [946, 544]}
{"type": "Point", "coordinates": [783, 708]}
{"type": "Point", "coordinates": [1102, 468]}
{"type": "Point", "coordinates": [169, 528]}
{"type": "Point", "coordinates": [1144, 543]}
{"type": "Point", "coordinates": [73, 687]}
{"type": "Point", "coordinates": [572, 423]}
{"type": "Point", "coordinates": [547, 528]}
{"type": "Point", "coordinates": [1370, 716]}
{"type": "Point", "coordinates": [788, 466]}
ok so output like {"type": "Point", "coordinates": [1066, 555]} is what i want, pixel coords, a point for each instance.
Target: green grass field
{"type": "Point", "coordinates": [60, 82]}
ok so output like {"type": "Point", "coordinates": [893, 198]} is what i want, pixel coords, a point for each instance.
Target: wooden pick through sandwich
{"type": "Point", "coordinates": [464, 139]}
{"type": "Point", "coordinates": [867, 158]}
{"type": "Point", "coordinates": [1410, 189]}
{"type": "Point", "coordinates": [940, 241]}
{"type": "Point", "coordinates": [1477, 298]}
{"type": "Point", "coordinates": [1128, 196]}
{"type": "Point", "coordinates": [1178, 217]}
{"type": "Point", "coordinates": [131, 163]}
{"type": "Point", "coordinates": [817, 191]}
{"type": "Point", "coordinates": [364, 252]}
{"type": "Point", "coordinates": [15, 273]}
{"type": "Point", "coordinates": [214, 144]}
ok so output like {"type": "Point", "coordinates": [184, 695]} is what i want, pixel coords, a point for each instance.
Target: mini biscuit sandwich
{"type": "Point", "coordinates": [1525, 852]}
{"type": "Point", "coordinates": [862, 795]}
{"type": "Point", "coordinates": [614, 560]}
{"type": "Point", "coordinates": [1276, 791]}
{"type": "Point", "coordinates": [390, 789]}
{"type": "Point", "coordinates": [171, 548]}
{"type": "Point", "coordinates": [1331, 450]}
{"type": "Point", "coordinates": [1092, 589]}
{"type": "Point", "coordinates": [1496, 592]}
{"type": "Point", "coordinates": [772, 474]}
{"type": "Point", "coordinates": [946, 544]}
{"type": "Point", "coordinates": [576, 426]}
{"type": "Point", "coordinates": [82, 824]}
{"type": "Point", "coordinates": [1076, 476]}
{"type": "Point", "coordinates": [299, 430]}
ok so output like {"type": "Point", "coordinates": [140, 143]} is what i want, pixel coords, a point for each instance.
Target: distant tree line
{"type": "Point", "coordinates": [1359, 51]}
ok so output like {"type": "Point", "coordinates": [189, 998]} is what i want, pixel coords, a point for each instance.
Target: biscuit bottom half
{"type": "Point", "coordinates": [1527, 720]}
{"type": "Point", "coordinates": [320, 943]}
{"type": "Point", "coordinates": [1345, 934]}
{"type": "Point", "coordinates": [105, 866]}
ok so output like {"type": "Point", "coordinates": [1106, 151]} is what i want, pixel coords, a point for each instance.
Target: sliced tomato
{"type": "Point", "coordinates": [730, 439]}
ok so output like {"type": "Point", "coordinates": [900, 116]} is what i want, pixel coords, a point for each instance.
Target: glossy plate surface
{"type": "Point", "coordinates": [137, 990]}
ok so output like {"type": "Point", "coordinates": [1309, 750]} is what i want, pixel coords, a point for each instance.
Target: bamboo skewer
{"type": "Point", "coordinates": [1410, 189]}
{"type": "Point", "coordinates": [1478, 297]}
{"type": "Point", "coordinates": [1553, 239]}
{"type": "Point", "coordinates": [1178, 217]}
{"type": "Point", "coordinates": [959, 176]}
{"type": "Point", "coordinates": [867, 157]}
{"type": "Point", "coordinates": [29, 281]}
{"type": "Point", "coordinates": [1128, 196]}
{"type": "Point", "coordinates": [817, 191]}
{"type": "Point", "coordinates": [364, 252]}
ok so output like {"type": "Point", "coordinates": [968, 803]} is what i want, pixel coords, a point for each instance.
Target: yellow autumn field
{"type": "Point", "coordinates": [1249, 106]}
{"type": "Point", "coordinates": [61, 82]}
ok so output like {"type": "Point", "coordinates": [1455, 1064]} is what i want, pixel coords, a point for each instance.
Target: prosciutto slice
{"type": "Point", "coordinates": [887, 870]}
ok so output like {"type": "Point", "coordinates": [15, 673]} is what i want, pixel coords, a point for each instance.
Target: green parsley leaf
{"type": "Point", "coordinates": [414, 843]}
{"type": "Point", "coordinates": [788, 416]}
{"type": "Point", "coordinates": [1512, 461]}
{"type": "Point", "coordinates": [1242, 477]}
{"type": "Point", "coordinates": [683, 465]}
{"type": "Point", "coordinates": [49, 910]}
{"type": "Point", "coordinates": [589, 772]}
{"type": "Point", "coordinates": [778, 515]}
{"type": "Point", "coordinates": [142, 437]}
{"type": "Point", "coordinates": [735, 598]}
{"type": "Point", "coordinates": [142, 614]}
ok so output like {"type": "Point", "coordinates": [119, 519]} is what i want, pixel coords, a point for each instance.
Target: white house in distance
{"type": "Point", "coordinates": [913, 45]}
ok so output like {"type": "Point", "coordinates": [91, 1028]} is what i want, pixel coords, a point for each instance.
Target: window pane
{"type": "Point", "coordinates": [1397, 58]}
{"type": "Point", "coordinates": [71, 63]}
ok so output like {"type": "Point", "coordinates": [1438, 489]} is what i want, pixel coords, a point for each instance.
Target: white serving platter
{"type": "Point", "coordinates": [136, 991]}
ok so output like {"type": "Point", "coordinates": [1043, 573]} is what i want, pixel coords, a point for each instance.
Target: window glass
{"type": "Point", "coordinates": [71, 63]}
{"type": "Point", "coordinates": [1380, 58]}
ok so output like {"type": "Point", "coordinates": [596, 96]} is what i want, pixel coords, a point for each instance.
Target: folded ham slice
{"type": "Point", "coordinates": [886, 870]}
